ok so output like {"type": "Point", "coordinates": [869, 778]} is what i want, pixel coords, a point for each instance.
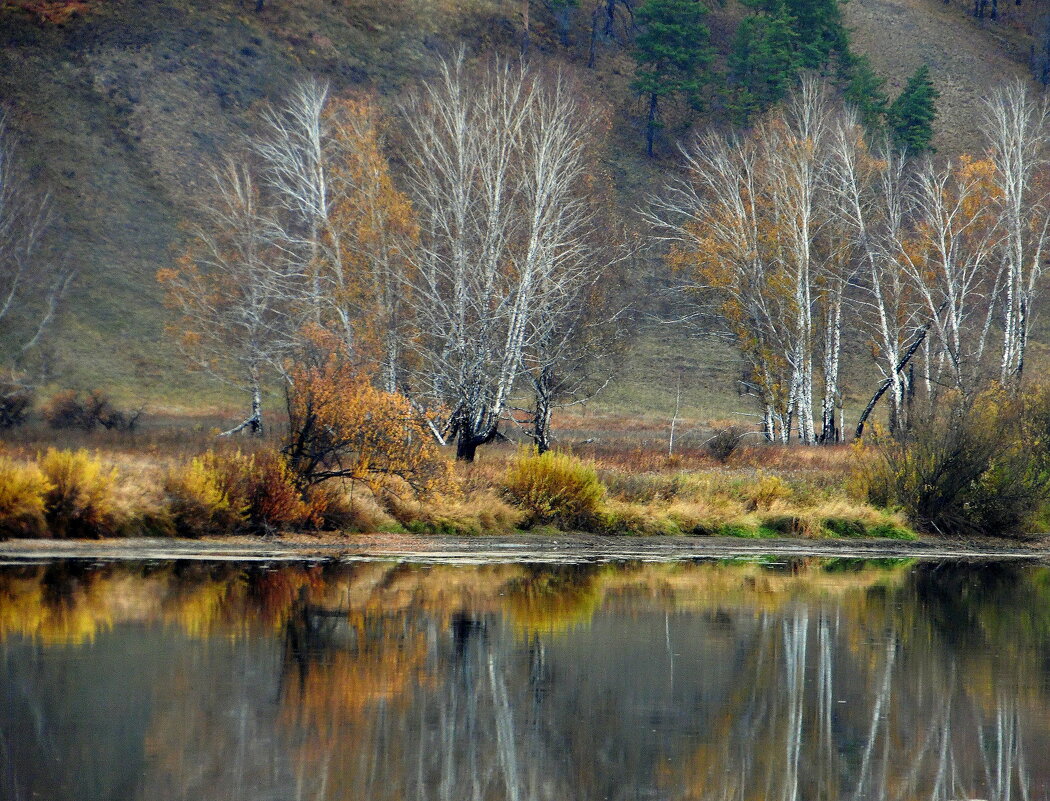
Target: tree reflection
{"type": "Point", "coordinates": [790, 681]}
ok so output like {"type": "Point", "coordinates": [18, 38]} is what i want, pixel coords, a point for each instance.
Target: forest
{"type": "Point", "coordinates": [418, 294]}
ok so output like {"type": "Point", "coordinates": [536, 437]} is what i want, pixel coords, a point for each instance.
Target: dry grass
{"type": "Point", "coordinates": [169, 482]}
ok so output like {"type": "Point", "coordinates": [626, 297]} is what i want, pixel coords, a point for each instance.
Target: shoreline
{"type": "Point", "coordinates": [524, 548]}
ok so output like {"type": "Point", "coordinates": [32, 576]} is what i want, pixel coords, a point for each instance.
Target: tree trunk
{"type": "Point", "coordinates": [540, 433]}
{"type": "Point", "coordinates": [254, 423]}
{"type": "Point", "coordinates": [592, 52]}
{"type": "Point", "coordinates": [650, 124]}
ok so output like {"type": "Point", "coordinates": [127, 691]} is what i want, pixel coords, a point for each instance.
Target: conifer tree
{"type": "Point", "coordinates": [821, 33]}
{"type": "Point", "coordinates": [763, 62]}
{"type": "Point", "coordinates": [910, 117]}
{"type": "Point", "coordinates": [864, 92]}
{"type": "Point", "coordinates": [672, 53]}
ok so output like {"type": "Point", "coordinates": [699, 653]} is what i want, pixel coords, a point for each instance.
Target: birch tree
{"type": "Point", "coordinates": [1015, 126]}
{"type": "Point", "coordinates": [746, 223]}
{"type": "Point", "coordinates": [948, 258]}
{"type": "Point", "coordinates": [233, 293]}
{"type": "Point", "coordinates": [496, 177]}
{"type": "Point", "coordinates": [291, 151]}
{"type": "Point", "coordinates": [713, 220]}
{"type": "Point", "coordinates": [31, 284]}
{"type": "Point", "coordinates": [873, 198]}
{"type": "Point", "coordinates": [570, 356]}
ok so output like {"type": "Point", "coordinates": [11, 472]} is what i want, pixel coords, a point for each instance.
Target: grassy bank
{"type": "Point", "coordinates": [179, 480]}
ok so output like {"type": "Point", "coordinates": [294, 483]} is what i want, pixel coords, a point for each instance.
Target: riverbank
{"type": "Point", "coordinates": [525, 548]}
{"type": "Point", "coordinates": [174, 484]}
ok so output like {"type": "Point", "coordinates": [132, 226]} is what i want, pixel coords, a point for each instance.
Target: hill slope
{"type": "Point", "coordinates": [122, 109]}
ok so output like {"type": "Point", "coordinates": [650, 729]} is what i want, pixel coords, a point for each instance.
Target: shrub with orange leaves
{"type": "Point", "coordinates": [341, 426]}
{"type": "Point", "coordinates": [54, 12]}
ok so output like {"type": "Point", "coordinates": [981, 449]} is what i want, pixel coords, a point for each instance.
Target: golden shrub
{"type": "Point", "coordinates": [79, 502]}
{"type": "Point", "coordinates": [199, 499]}
{"type": "Point", "coordinates": [342, 427]}
{"type": "Point", "coordinates": [22, 491]}
{"type": "Point", "coordinates": [555, 489]}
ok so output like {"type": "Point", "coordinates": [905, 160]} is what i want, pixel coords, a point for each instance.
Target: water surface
{"type": "Point", "coordinates": [791, 680]}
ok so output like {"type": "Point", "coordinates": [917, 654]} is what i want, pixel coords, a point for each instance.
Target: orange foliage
{"type": "Point", "coordinates": [52, 12]}
{"type": "Point", "coordinates": [341, 426]}
{"type": "Point", "coordinates": [373, 230]}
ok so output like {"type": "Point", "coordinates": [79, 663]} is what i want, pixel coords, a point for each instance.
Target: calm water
{"type": "Point", "coordinates": [789, 681]}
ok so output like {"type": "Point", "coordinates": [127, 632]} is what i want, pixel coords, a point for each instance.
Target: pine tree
{"type": "Point", "coordinates": [672, 53]}
{"type": "Point", "coordinates": [818, 25]}
{"type": "Point", "coordinates": [864, 92]}
{"type": "Point", "coordinates": [910, 117]}
{"type": "Point", "coordinates": [763, 62]}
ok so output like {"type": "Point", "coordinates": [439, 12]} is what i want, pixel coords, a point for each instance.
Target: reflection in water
{"type": "Point", "coordinates": [804, 680]}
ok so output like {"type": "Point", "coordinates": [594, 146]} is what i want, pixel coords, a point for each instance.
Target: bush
{"type": "Point", "coordinates": [199, 502]}
{"type": "Point", "coordinates": [555, 489]}
{"type": "Point", "coordinates": [723, 443]}
{"type": "Point", "coordinates": [22, 491]}
{"type": "Point", "coordinates": [765, 492]}
{"type": "Point", "coordinates": [341, 427]}
{"type": "Point", "coordinates": [79, 502]}
{"type": "Point", "coordinates": [16, 402]}
{"type": "Point", "coordinates": [252, 493]}
{"type": "Point", "coordinates": [978, 468]}
{"type": "Point", "coordinates": [73, 409]}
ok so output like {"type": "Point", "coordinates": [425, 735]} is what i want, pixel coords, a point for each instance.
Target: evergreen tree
{"type": "Point", "coordinates": [817, 25]}
{"type": "Point", "coordinates": [672, 53]}
{"type": "Point", "coordinates": [864, 92]}
{"type": "Point", "coordinates": [910, 117]}
{"type": "Point", "coordinates": [763, 62]}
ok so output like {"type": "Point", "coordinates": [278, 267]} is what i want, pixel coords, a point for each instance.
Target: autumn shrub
{"type": "Point", "coordinates": [226, 493]}
{"type": "Point", "coordinates": [970, 467]}
{"type": "Point", "coordinates": [79, 502]}
{"type": "Point", "coordinates": [724, 443]}
{"type": "Point", "coordinates": [198, 499]}
{"type": "Point", "coordinates": [87, 412]}
{"type": "Point", "coordinates": [23, 488]}
{"type": "Point", "coordinates": [342, 427]}
{"type": "Point", "coordinates": [16, 402]}
{"type": "Point", "coordinates": [765, 491]}
{"type": "Point", "coordinates": [555, 489]}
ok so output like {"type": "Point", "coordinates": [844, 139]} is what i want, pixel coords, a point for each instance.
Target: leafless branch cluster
{"type": "Point", "coordinates": [806, 223]}
{"type": "Point", "coordinates": [485, 272]}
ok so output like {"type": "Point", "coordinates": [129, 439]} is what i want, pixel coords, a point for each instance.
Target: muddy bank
{"type": "Point", "coordinates": [520, 548]}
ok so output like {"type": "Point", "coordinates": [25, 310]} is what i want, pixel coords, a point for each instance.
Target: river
{"type": "Point", "coordinates": [764, 678]}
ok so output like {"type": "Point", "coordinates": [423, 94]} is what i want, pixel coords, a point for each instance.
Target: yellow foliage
{"type": "Point", "coordinates": [224, 493]}
{"type": "Point", "coordinates": [766, 492]}
{"type": "Point", "coordinates": [22, 491]}
{"type": "Point", "coordinates": [556, 489]}
{"type": "Point", "coordinates": [79, 502]}
{"type": "Point", "coordinates": [199, 502]}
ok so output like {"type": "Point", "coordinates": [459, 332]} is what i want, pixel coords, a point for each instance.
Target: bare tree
{"type": "Point", "coordinates": [295, 150]}
{"type": "Point", "coordinates": [713, 219]}
{"type": "Point", "coordinates": [31, 284]}
{"type": "Point", "coordinates": [497, 177]}
{"type": "Point", "coordinates": [874, 199]}
{"type": "Point", "coordinates": [948, 258]}
{"type": "Point", "coordinates": [233, 293]}
{"type": "Point", "coordinates": [1015, 127]}
{"type": "Point", "coordinates": [751, 222]}
{"type": "Point", "coordinates": [572, 353]}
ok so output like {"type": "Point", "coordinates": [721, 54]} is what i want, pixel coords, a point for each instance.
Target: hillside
{"type": "Point", "coordinates": [121, 109]}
